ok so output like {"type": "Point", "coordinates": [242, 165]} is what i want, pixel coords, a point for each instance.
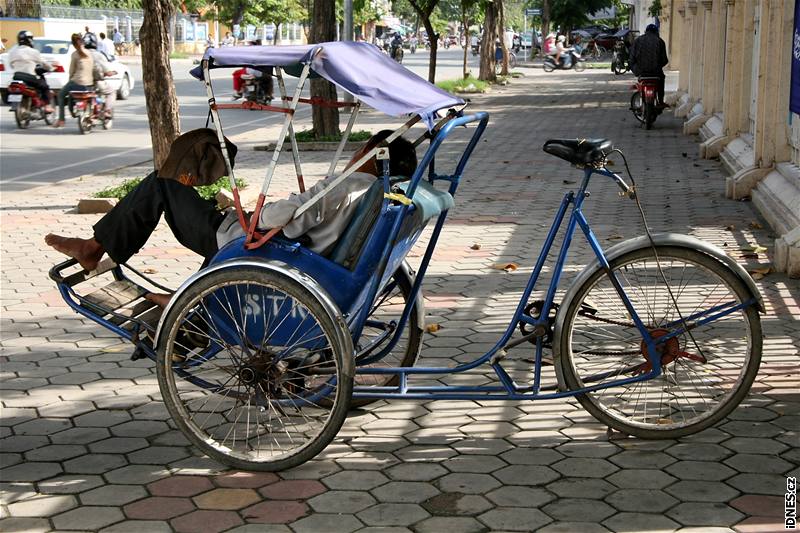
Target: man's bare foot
{"type": "Point", "coordinates": [160, 300]}
{"type": "Point", "coordinates": [88, 252]}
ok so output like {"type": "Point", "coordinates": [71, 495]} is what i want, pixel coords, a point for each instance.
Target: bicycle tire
{"type": "Point", "coordinates": [618, 406]}
{"type": "Point", "coordinates": [276, 382]}
{"type": "Point", "coordinates": [636, 106]}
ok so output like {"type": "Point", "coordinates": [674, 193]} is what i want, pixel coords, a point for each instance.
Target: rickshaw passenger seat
{"type": "Point", "coordinates": [428, 200]}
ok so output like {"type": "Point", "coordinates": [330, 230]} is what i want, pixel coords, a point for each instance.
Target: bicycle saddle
{"type": "Point", "coordinates": [579, 151]}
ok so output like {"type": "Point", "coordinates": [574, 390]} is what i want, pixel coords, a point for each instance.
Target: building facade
{"type": "Point", "coordinates": [734, 60]}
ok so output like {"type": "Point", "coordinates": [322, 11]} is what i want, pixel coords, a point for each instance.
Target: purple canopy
{"type": "Point", "coordinates": [358, 68]}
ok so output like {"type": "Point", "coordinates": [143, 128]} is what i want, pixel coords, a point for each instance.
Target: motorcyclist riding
{"type": "Point", "coordinates": [397, 44]}
{"type": "Point", "coordinates": [101, 70]}
{"type": "Point", "coordinates": [25, 59]}
{"type": "Point", "coordinates": [649, 57]}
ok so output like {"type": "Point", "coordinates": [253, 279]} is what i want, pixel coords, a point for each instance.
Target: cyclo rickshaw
{"type": "Point", "coordinates": [260, 354]}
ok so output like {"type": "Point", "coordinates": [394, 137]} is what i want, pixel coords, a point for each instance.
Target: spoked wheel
{"type": "Point", "coordinates": [254, 370]}
{"type": "Point", "coordinates": [636, 106]}
{"type": "Point", "coordinates": [619, 67]}
{"type": "Point", "coordinates": [22, 113]}
{"type": "Point", "coordinates": [85, 121]}
{"type": "Point", "coordinates": [379, 330]}
{"type": "Point", "coordinates": [705, 375]}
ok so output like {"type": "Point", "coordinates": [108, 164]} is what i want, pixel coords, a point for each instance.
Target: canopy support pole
{"type": "Point", "coordinates": [345, 136]}
{"type": "Point", "coordinates": [295, 152]}
{"type": "Point", "coordinates": [356, 165]}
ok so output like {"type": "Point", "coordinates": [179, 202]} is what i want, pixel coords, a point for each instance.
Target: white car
{"type": "Point", "coordinates": [59, 51]}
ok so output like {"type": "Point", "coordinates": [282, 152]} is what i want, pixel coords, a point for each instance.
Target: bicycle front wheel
{"type": "Point", "coordinates": [704, 375]}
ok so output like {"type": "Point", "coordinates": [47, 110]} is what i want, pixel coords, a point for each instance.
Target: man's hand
{"type": "Point", "coordinates": [110, 73]}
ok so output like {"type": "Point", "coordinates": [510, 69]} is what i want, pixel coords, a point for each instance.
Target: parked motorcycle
{"type": "Point", "coordinates": [28, 105]}
{"type": "Point", "coordinates": [571, 61]}
{"type": "Point", "coordinates": [643, 102]}
{"type": "Point", "coordinates": [620, 61]}
{"type": "Point", "coordinates": [89, 108]}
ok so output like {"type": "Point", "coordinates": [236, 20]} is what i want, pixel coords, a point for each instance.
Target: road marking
{"type": "Point", "coordinates": [125, 152]}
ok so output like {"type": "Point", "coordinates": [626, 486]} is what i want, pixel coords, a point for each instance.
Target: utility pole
{"type": "Point", "coordinates": [348, 36]}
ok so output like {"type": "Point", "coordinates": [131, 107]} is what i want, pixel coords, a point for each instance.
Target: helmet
{"type": "Point", "coordinates": [651, 28]}
{"type": "Point", "coordinates": [561, 38]}
{"type": "Point", "coordinates": [90, 41]}
{"type": "Point", "coordinates": [551, 35]}
{"type": "Point", "coordinates": [25, 38]}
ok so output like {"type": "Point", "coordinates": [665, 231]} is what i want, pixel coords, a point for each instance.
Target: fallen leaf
{"type": "Point", "coordinates": [755, 225]}
{"type": "Point", "coordinates": [614, 237]}
{"type": "Point", "coordinates": [730, 227]}
{"type": "Point", "coordinates": [568, 182]}
{"type": "Point", "coordinates": [432, 328]}
{"type": "Point", "coordinates": [114, 349]}
{"type": "Point", "coordinates": [149, 271]}
{"type": "Point", "coordinates": [508, 267]}
{"type": "Point", "coordinates": [759, 273]}
{"type": "Point", "coordinates": [475, 246]}
{"type": "Point", "coordinates": [610, 163]}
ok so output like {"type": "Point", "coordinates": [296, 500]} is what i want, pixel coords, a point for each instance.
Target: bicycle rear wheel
{"type": "Point", "coordinates": [703, 378]}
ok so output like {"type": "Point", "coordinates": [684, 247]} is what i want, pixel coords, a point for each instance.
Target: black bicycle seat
{"type": "Point", "coordinates": [579, 151]}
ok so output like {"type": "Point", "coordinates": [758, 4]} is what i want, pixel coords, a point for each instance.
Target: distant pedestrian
{"type": "Point", "coordinates": [118, 40]}
{"type": "Point", "coordinates": [106, 46]}
{"type": "Point", "coordinates": [228, 40]}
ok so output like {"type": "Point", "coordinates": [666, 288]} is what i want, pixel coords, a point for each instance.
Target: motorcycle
{"type": "Point", "coordinates": [620, 63]}
{"type": "Point", "coordinates": [28, 105]}
{"type": "Point", "coordinates": [572, 60]}
{"type": "Point", "coordinates": [643, 101]}
{"type": "Point", "coordinates": [412, 46]}
{"type": "Point", "coordinates": [397, 53]}
{"type": "Point", "coordinates": [257, 89]}
{"type": "Point", "coordinates": [89, 107]}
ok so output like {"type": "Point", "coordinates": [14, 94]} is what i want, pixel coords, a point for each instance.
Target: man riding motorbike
{"type": "Point", "coordinates": [396, 47]}
{"type": "Point", "coordinates": [648, 59]}
{"type": "Point", "coordinates": [101, 70]}
{"type": "Point", "coordinates": [24, 59]}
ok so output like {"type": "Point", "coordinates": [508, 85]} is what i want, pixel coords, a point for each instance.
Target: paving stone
{"type": "Point", "coordinates": [30, 471]}
{"type": "Point", "coordinates": [570, 527]}
{"type": "Point", "coordinates": [493, 447]}
{"type": "Point", "coordinates": [118, 445]}
{"type": "Point", "coordinates": [14, 492]}
{"type": "Point", "coordinates": [88, 518]}
{"type": "Point", "coordinates": [180, 486]}
{"type": "Point", "coordinates": [526, 475]}
{"type": "Point", "coordinates": [69, 484]}
{"type": "Point", "coordinates": [42, 426]}
{"type": "Point", "coordinates": [79, 435]}
{"type": "Point", "coordinates": [333, 523]}
{"type": "Point", "coordinates": [195, 465]}
{"type": "Point", "coordinates": [393, 514]}
{"type": "Point", "coordinates": [755, 446]}
{"type": "Point", "coordinates": [642, 459]}
{"type": "Point", "coordinates": [139, 428]}
{"type": "Point", "coordinates": [438, 524]}
{"type": "Point", "coordinates": [293, 489]}
{"type": "Point", "coordinates": [425, 453]}
{"type": "Point", "coordinates": [355, 480]}
{"type": "Point", "coordinates": [26, 525]}
{"type": "Point", "coordinates": [158, 508]}
{"type": "Point", "coordinates": [23, 443]}
{"type": "Point", "coordinates": [112, 495]}
{"type": "Point", "coordinates": [261, 528]}
{"type": "Point", "coordinates": [702, 470]}
{"type": "Point", "coordinates": [103, 418]}
{"type": "Point", "coordinates": [341, 501]}
{"type": "Point", "coordinates": [136, 474]}
{"type": "Point", "coordinates": [760, 524]}
{"type": "Point", "coordinates": [55, 452]}
{"type": "Point", "coordinates": [9, 459]}
{"type": "Point", "coordinates": [275, 512]}
{"type": "Point", "coordinates": [513, 496]}
{"type": "Point", "coordinates": [456, 504]}
{"type": "Point", "coordinates": [762, 464]}
{"type": "Point", "coordinates": [702, 491]}
{"type": "Point", "coordinates": [581, 467]}
{"type": "Point", "coordinates": [641, 500]}
{"type": "Point", "coordinates": [698, 452]}
{"type": "Point", "coordinates": [531, 456]}
{"type": "Point", "coordinates": [467, 483]}
{"type": "Point", "coordinates": [226, 499]}
{"type": "Point", "coordinates": [637, 522]}
{"type": "Point", "coordinates": [588, 449]}
{"type": "Point", "coordinates": [569, 508]}
{"type": "Point", "coordinates": [641, 479]}
{"type": "Point", "coordinates": [42, 506]}
{"type": "Point", "coordinates": [416, 471]}
{"type": "Point", "coordinates": [158, 455]}
{"type": "Point", "coordinates": [95, 463]}
{"type": "Point", "coordinates": [751, 504]}
{"type": "Point", "coordinates": [245, 480]}
{"type": "Point", "coordinates": [514, 519]}
{"type": "Point", "coordinates": [770, 484]}
{"type": "Point", "coordinates": [66, 409]}
{"type": "Point", "coordinates": [138, 526]}
{"type": "Point", "coordinates": [477, 464]}
{"type": "Point", "coordinates": [311, 470]}
{"type": "Point", "coordinates": [705, 514]}
{"type": "Point", "coordinates": [367, 460]}
{"type": "Point", "coordinates": [746, 428]}
{"type": "Point", "coordinates": [404, 492]}
{"type": "Point", "coordinates": [206, 521]}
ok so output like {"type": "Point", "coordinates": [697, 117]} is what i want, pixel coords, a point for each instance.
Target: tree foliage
{"type": "Point", "coordinates": [424, 9]}
{"type": "Point", "coordinates": [570, 14]}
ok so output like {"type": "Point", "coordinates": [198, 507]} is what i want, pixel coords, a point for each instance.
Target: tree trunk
{"type": "Point", "coordinates": [501, 30]}
{"type": "Point", "coordinates": [276, 37]}
{"type": "Point", "coordinates": [159, 88]}
{"type": "Point", "coordinates": [433, 39]}
{"type": "Point", "coordinates": [465, 21]}
{"type": "Point", "coordinates": [545, 19]}
{"type": "Point", "coordinates": [487, 43]}
{"type": "Point", "coordinates": [325, 120]}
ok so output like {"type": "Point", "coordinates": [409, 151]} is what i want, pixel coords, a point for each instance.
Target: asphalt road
{"type": "Point", "coordinates": [42, 154]}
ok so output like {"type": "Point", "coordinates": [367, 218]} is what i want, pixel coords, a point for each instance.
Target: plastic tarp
{"type": "Point", "coordinates": [358, 68]}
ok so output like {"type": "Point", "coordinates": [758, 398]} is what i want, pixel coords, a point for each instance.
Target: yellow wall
{"type": "Point", "coordinates": [9, 27]}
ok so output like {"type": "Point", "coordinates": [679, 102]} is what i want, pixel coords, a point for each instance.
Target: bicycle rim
{"type": "Point", "coordinates": [703, 378]}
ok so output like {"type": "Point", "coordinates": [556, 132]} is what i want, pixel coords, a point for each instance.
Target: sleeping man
{"type": "Point", "coordinates": [195, 158]}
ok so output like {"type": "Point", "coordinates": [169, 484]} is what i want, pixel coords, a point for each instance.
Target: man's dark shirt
{"type": "Point", "coordinates": [648, 55]}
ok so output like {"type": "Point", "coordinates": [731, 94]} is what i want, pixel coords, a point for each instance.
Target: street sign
{"type": "Point", "coordinates": [533, 12]}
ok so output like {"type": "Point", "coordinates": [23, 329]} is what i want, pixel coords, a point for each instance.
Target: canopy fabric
{"type": "Point", "coordinates": [358, 68]}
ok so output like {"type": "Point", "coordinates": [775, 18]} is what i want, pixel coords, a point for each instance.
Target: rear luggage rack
{"type": "Point", "coordinates": [118, 305]}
